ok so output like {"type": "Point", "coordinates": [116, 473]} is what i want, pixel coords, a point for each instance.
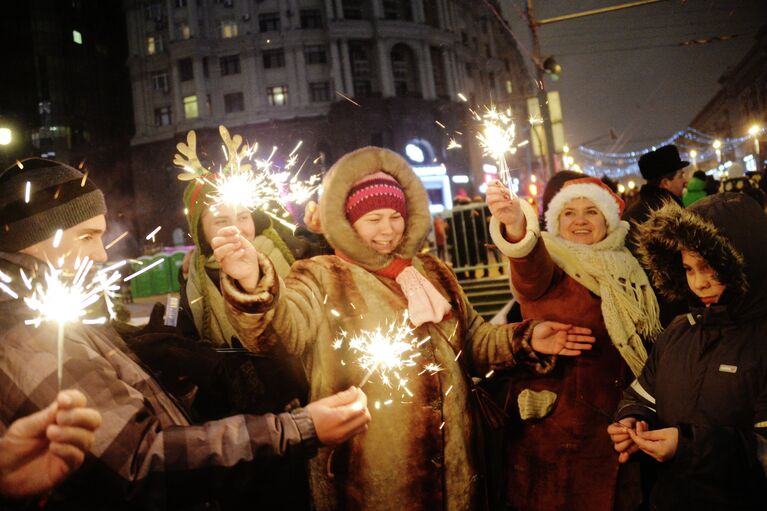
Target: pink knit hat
{"type": "Point", "coordinates": [375, 191]}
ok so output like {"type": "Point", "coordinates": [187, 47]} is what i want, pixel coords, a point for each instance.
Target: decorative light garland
{"type": "Point", "coordinates": [618, 165]}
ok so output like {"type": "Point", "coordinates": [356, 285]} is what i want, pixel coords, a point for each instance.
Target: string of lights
{"type": "Point", "coordinates": [695, 146]}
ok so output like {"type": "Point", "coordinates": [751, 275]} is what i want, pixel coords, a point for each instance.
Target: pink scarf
{"type": "Point", "coordinates": [424, 303]}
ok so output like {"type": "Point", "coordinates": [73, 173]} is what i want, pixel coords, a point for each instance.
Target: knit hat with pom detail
{"type": "Point", "coordinates": [590, 188]}
{"type": "Point", "coordinates": [376, 191]}
{"type": "Point", "coordinates": [58, 198]}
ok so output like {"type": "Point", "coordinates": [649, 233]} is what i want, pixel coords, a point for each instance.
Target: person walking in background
{"type": "Point", "coordinates": [700, 405]}
{"type": "Point", "coordinates": [420, 454]}
{"type": "Point", "coordinates": [579, 270]}
{"type": "Point", "coordinates": [696, 188]}
{"type": "Point", "coordinates": [664, 171]}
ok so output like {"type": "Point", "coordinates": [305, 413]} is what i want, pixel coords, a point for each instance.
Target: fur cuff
{"type": "Point", "coordinates": [522, 348]}
{"type": "Point", "coordinates": [523, 247]}
{"type": "Point", "coordinates": [262, 299]}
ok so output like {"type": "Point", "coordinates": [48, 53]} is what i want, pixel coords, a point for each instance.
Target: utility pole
{"type": "Point", "coordinates": [543, 100]}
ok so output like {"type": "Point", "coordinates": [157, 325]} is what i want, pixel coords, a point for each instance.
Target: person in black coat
{"type": "Point", "coordinates": [700, 405]}
{"type": "Point", "coordinates": [663, 170]}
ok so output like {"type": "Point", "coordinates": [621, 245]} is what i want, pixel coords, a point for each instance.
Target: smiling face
{"type": "Point", "coordinates": [381, 229]}
{"type": "Point", "coordinates": [581, 221]}
{"type": "Point", "coordinates": [701, 278]}
{"type": "Point", "coordinates": [217, 217]}
{"type": "Point", "coordinates": [76, 243]}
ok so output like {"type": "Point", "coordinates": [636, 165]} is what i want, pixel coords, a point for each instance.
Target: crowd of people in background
{"type": "Point", "coordinates": [635, 379]}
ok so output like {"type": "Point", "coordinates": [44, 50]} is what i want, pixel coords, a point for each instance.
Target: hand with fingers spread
{"type": "Point", "coordinates": [237, 256]}
{"type": "Point", "coordinates": [661, 444]}
{"type": "Point", "coordinates": [341, 416]}
{"type": "Point", "coordinates": [312, 217]}
{"type": "Point", "coordinates": [507, 210]}
{"type": "Point", "coordinates": [554, 338]}
{"type": "Point", "coordinates": [622, 441]}
{"type": "Point", "coordinates": [41, 450]}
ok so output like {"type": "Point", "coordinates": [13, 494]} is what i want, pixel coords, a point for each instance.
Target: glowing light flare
{"type": "Point", "coordinates": [385, 351]}
{"type": "Point", "coordinates": [64, 300]}
{"type": "Point", "coordinates": [496, 138]}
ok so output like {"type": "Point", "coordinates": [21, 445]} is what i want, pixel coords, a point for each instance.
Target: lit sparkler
{"type": "Point", "coordinates": [497, 139]}
{"type": "Point", "coordinates": [247, 181]}
{"type": "Point", "coordinates": [64, 300]}
{"type": "Point", "coordinates": [385, 351]}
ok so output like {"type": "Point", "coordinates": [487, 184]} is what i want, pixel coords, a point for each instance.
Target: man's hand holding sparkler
{"type": "Point", "coordinates": [507, 210]}
{"type": "Point", "coordinates": [339, 417]}
{"type": "Point", "coordinates": [553, 338]}
{"type": "Point", "coordinates": [237, 257]}
{"type": "Point", "coordinates": [41, 450]}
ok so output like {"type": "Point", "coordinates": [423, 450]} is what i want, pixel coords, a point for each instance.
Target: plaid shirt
{"type": "Point", "coordinates": [146, 454]}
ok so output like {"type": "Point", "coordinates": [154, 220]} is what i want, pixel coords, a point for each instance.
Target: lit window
{"type": "Point", "coordinates": [228, 29]}
{"type": "Point", "coordinates": [190, 107]}
{"type": "Point", "coordinates": [184, 31]}
{"type": "Point", "coordinates": [509, 88]}
{"type": "Point", "coordinates": [277, 96]}
{"type": "Point", "coordinates": [77, 37]}
{"type": "Point", "coordinates": [151, 45]}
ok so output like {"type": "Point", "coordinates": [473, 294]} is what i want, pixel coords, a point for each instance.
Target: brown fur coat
{"type": "Point", "coordinates": [419, 451]}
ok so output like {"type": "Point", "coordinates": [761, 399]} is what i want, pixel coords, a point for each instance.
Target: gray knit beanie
{"type": "Point", "coordinates": [58, 199]}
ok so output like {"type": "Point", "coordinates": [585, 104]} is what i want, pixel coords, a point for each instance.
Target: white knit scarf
{"type": "Point", "coordinates": [610, 271]}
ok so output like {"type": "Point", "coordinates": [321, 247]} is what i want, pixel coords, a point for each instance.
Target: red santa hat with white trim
{"type": "Point", "coordinates": [610, 204]}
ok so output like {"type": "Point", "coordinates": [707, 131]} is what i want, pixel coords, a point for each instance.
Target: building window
{"type": "Point", "coordinates": [230, 65]}
{"type": "Point", "coordinates": [228, 29]}
{"type": "Point", "coordinates": [153, 44]}
{"type": "Point", "coordinates": [315, 54]}
{"type": "Point", "coordinates": [153, 11]}
{"type": "Point", "coordinates": [160, 81]}
{"type": "Point", "coordinates": [226, 3]}
{"type": "Point", "coordinates": [269, 22]}
{"type": "Point", "coordinates": [397, 10]}
{"type": "Point", "coordinates": [205, 71]}
{"type": "Point", "coordinates": [190, 107]}
{"type": "Point", "coordinates": [311, 18]}
{"type": "Point", "coordinates": [509, 87]}
{"type": "Point", "coordinates": [185, 70]}
{"type": "Point", "coordinates": [278, 95]}
{"type": "Point", "coordinates": [360, 61]}
{"type": "Point", "coordinates": [353, 9]}
{"type": "Point", "coordinates": [319, 91]}
{"type": "Point", "coordinates": [180, 3]}
{"type": "Point", "coordinates": [362, 88]}
{"type": "Point", "coordinates": [77, 37]}
{"type": "Point", "coordinates": [162, 116]}
{"type": "Point", "coordinates": [183, 30]}
{"type": "Point", "coordinates": [274, 59]}
{"type": "Point", "coordinates": [234, 102]}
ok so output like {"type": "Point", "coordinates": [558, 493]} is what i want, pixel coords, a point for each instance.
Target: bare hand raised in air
{"type": "Point", "coordinates": [553, 338]}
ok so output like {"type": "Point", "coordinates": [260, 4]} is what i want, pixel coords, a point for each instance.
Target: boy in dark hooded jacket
{"type": "Point", "coordinates": [700, 405]}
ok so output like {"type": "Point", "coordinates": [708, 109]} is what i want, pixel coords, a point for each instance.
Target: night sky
{"type": "Point", "coordinates": [626, 70]}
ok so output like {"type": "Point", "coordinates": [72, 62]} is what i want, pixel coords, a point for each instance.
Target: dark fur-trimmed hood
{"type": "Point", "coordinates": [336, 186]}
{"type": "Point", "coordinates": [729, 230]}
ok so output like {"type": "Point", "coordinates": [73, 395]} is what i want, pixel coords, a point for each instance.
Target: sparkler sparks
{"type": "Point", "coordinates": [385, 351]}
{"type": "Point", "coordinates": [64, 300]}
{"type": "Point", "coordinates": [247, 181]}
{"type": "Point", "coordinates": [497, 139]}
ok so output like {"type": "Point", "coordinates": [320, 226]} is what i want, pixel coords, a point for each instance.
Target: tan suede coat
{"type": "Point", "coordinates": [418, 453]}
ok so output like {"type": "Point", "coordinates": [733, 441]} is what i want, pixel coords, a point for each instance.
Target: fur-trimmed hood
{"type": "Point", "coordinates": [335, 188]}
{"type": "Point", "coordinates": [729, 230]}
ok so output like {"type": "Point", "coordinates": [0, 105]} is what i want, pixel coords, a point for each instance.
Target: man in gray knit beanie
{"type": "Point", "coordinates": [39, 197]}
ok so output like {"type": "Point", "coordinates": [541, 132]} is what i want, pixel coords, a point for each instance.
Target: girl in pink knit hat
{"type": "Point", "coordinates": [419, 452]}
